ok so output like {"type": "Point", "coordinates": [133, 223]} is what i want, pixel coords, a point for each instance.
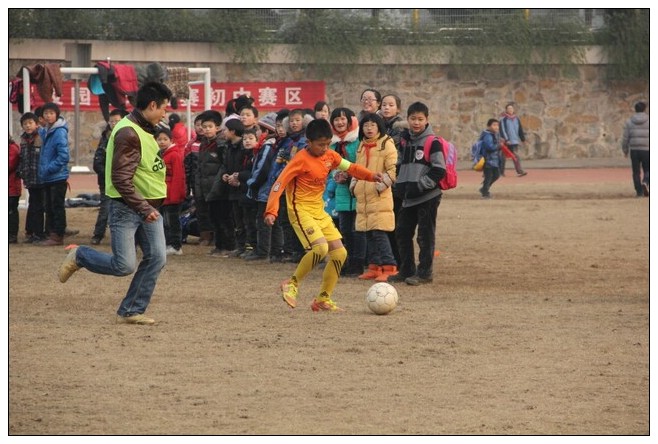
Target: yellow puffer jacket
{"type": "Point", "coordinates": [374, 201]}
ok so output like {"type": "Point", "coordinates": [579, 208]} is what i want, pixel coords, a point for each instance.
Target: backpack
{"type": "Point", "coordinates": [449, 181]}
{"type": "Point", "coordinates": [477, 155]}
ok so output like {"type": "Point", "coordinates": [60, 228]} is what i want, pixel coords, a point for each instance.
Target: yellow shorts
{"type": "Point", "coordinates": [311, 226]}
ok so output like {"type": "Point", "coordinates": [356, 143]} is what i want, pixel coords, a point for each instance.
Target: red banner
{"type": "Point", "coordinates": [269, 96]}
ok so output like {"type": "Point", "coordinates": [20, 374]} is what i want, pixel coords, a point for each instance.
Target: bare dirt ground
{"type": "Point", "coordinates": [537, 323]}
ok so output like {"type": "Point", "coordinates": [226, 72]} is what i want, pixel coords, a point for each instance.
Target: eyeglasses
{"type": "Point", "coordinates": [364, 100]}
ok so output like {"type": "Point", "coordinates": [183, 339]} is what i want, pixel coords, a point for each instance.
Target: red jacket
{"type": "Point", "coordinates": [15, 187]}
{"type": "Point", "coordinates": [179, 134]}
{"type": "Point", "coordinates": [175, 178]}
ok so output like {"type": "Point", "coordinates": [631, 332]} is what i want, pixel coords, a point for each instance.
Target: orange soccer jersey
{"type": "Point", "coordinates": [304, 179]}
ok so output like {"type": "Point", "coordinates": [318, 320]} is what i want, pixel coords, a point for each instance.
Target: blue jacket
{"type": "Point", "coordinates": [491, 147]}
{"type": "Point", "coordinates": [54, 159]}
{"type": "Point", "coordinates": [258, 187]}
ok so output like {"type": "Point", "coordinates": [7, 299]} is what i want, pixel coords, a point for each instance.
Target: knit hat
{"type": "Point", "coordinates": [268, 121]}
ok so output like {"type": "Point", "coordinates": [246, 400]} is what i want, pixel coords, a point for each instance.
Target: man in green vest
{"type": "Point", "coordinates": [135, 185]}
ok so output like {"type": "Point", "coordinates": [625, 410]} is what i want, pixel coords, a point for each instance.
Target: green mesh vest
{"type": "Point", "coordinates": [149, 178]}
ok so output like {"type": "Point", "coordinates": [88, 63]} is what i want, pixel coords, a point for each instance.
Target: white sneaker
{"type": "Point", "coordinates": [172, 250]}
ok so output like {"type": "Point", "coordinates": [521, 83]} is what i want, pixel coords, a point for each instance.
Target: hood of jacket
{"type": "Point", "coordinates": [639, 118]}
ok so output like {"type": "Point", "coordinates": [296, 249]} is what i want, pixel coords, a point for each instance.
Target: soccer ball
{"type": "Point", "coordinates": [381, 298]}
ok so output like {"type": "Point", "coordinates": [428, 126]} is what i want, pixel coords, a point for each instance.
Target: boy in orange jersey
{"type": "Point", "coordinates": [303, 180]}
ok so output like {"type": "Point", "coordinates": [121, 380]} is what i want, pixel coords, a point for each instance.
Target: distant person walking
{"type": "Point", "coordinates": [512, 135]}
{"type": "Point", "coordinates": [636, 141]}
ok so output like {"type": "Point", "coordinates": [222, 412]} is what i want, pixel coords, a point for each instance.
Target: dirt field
{"type": "Point", "coordinates": [537, 322]}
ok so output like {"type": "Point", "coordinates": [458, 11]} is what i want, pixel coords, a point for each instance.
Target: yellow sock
{"type": "Point", "coordinates": [332, 271]}
{"type": "Point", "coordinates": [310, 260]}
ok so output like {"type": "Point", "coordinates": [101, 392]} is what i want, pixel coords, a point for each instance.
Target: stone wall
{"type": "Point", "coordinates": [567, 111]}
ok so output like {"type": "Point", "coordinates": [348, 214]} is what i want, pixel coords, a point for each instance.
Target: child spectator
{"type": "Point", "coordinates": [321, 110]}
{"type": "Point", "coordinates": [303, 181]}
{"type": "Point", "coordinates": [99, 168]}
{"type": "Point", "coordinates": [15, 190]}
{"type": "Point", "coordinates": [345, 142]}
{"type": "Point", "coordinates": [295, 125]}
{"type": "Point", "coordinates": [269, 240]}
{"type": "Point", "coordinates": [395, 124]}
{"type": "Point", "coordinates": [206, 198]}
{"type": "Point", "coordinates": [374, 202]}
{"type": "Point", "coordinates": [192, 154]}
{"type": "Point", "coordinates": [29, 172]}
{"type": "Point", "coordinates": [491, 148]}
{"type": "Point", "coordinates": [54, 172]}
{"type": "Point", "coordinates": [249, 118]}
{"type": "Point", "coordinates": [178, 130]}
{"type": "Point", "coordinates": [237, 163]}
{"type": "Point", "coordinates": [172, 155]}
{"type": "Point", "coordinates": [417, 186]}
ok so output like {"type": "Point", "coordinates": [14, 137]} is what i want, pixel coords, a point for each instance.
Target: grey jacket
{"type": "Point", "coordinates": [636, 133]}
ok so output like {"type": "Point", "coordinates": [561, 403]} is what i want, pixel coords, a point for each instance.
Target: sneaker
{"type": "Point", "coordinates": [275, 258]}
{"type": "Point", "coordinates": [69, 266]}
{"type": "Point", "coordinates": [96, 240]}
{"type": "Point", "coordinates": [324, 304]}
{"type": "Point", "coordinates": [216, 252]}
{"type": "Point", "coordinates": [396, 278]}
{"type": "Point", "coordinates": [521, 174]}
{"type": "Point", "coordinates": [417, 280]}
{"type": "Point", "coordinates": [138, 319]}
{"type": "Point", "coordinates": [289, 293]}
{"type": "Point", "coordinates": [235, 253]}
{"type": "Point", "coordinates": [645, 189]}
{"type": "Point", "coordinates": [173, 250]}
{"type": "Point", "coordinates": [253, 256]}
{"type": "Point", "coordinates": [13, 239]}
{"type": "Point", "coordinates": [68, 232]}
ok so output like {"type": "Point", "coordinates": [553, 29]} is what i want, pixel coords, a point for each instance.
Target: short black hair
{"type": "Point", "coordinates": [211, 116]}
{"type": "Point", "coordinates": [282, 114]}
{"type": "Point", "coordinates": [51, 106]}
{"type": "Point", "coordinates": [640, 107]}
{"type": "Point", "coordinates": [491, 122]}
{"type": "Point", "coordinates": [162, 130]}
{"type": "Point", "coordinates": [236, 126]}
{"type": "Point", "coordinates": [119, 112]}
{"type": "Point", "coordinates": [152, 92]}
{"type": "Point", "coordinates": [418, 107]}
{"type": "Point", "coordinates": [372, 117]}
{"type": "Point", "coordinates": [29, 116]}
{"type": "Point", "coordinates": [252, 108]}
{"type": "Point", "coordinates": [318, 129]}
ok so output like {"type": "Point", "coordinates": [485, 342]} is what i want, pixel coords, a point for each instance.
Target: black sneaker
{"type": "Point", "coordinates": [396, 278]}
{"type": "Point", "coordinates": [417, 280]}
{"type": "Point", "coordinates": [96, 240]}
{"type": "Point", "coordinates": [253, 256]}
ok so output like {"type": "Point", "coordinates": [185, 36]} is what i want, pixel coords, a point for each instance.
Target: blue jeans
{"type": "Point", "coordinates": [127, 228]}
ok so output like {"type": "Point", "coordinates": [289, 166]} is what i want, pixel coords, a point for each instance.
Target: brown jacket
{"type": "Point", "coordinates": [126, 158]}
